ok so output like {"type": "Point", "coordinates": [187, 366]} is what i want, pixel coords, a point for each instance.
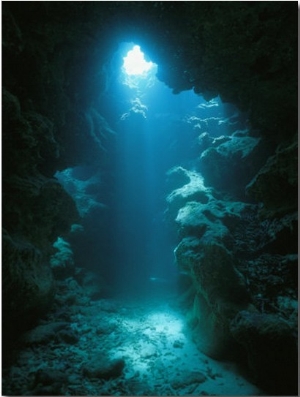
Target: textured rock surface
{"type": "Point", "coordinates": [28, 289]}
{"type": "Point", "coordinates": [103, 367]}
{"type": "Point", "coordinates": [229, 165]}
{"type": "Point", "coordinates": [271, 348]}
{"type": "Point", "coordinates": [220, 293]}
{"type": "Point", "coordinates": [62, 262]}
{"type": "Point", "coordinates": [276, 183]}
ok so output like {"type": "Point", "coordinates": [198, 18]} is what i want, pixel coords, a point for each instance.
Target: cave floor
{"type": "Point", "coordinates": [146, 333]}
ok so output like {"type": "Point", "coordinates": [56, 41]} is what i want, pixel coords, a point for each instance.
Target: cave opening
{"type": "Point", "coordinates": [134, 63]}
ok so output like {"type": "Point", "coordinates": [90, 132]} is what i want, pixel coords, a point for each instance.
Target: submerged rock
{"type": "Point", "coordinates": [276, 183]}
{"type": "Point", "coordinates": [187, 378]}
{"type": "Point", "coordinates": [103, 368]}
{"type": "Point", "coordinates": [62, 262]}
{"type": "Point", "coordinates": [271, 345]}
{"type": "Point", "coordinates": [193, 190]}
{"type": "Point", "coordinates": [220, 293]}
{"type": "Point", "coordinates": [28, 289]}
{"type": "Point", "coordinates": [44, 333]}
{"type": "Point", "coordinates": [48, 381]}
{"type": "Point", "coordinates": [177, 177]}
{"type": "Point", "coordinates": [230, 163]}
{"type": "Point", "coordinates": [212, 221]}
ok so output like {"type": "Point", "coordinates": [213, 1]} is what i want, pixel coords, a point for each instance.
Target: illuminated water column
{"type": "Point", "coordinates": [135, 180]}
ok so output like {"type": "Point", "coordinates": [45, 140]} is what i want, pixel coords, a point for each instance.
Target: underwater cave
{"type": "Point", "coordinates": [150, 218]}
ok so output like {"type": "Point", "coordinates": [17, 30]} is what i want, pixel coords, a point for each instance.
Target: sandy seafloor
{"type": "Point", "coordinates": [146, 334]}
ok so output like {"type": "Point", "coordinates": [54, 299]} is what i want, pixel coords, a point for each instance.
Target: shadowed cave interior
{"type": "Point", "coordinates": [149, 217]}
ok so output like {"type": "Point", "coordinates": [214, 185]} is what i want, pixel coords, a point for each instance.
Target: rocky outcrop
{"type": "Point", "coordinates": [220, 293]}
{"type": "Point", "coordinates": [62, 262]}
{"type": "Point", "coordinates": [271, 348]}
{"type": "Point", "coordinates": [276, 183]}
{"type": "Point", "coordinates": [28, 289]}
{"type": "Point", "coordinates": [230, 161]}
{"type": "Point", "coordinates": [235, 285]}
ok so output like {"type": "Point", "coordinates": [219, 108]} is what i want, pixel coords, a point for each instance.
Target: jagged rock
{"type": "Point", "coordinates": [193, 190]}
{"type": "Point", "coordinates": [67, 336]}
{"type": "Point", "coordinates": [177, 177]}
{"type": "Point", "coordinates": [28, 287]}
{"type": "Point", "coordinates": [49, 382]}
{"type": "Point", "coordinates": [187, 378]}
{"type": "Point", "coordinates": [276, 183]}
{"type": "Point", "coordinates": [230, 163]}
{"type": "Point", "coordinates": [93, 285]}
{"type": "Point", "coordinates": [211, 221]}
{"type": "Point", "coordinates": [103, 368]}
{"type": "Point", "coordinates": [62, 262]}
{"type": "Point", "coordinates": [271, 345]}
{"type": "Point", "coordinates": [212, 267]}
{"type": "Point", "coordinates": [220, 293]}
{"type": "Point", "coordinates": [44, 333]}
{"type": "Point", "coordinates": [32, 134]}
{"type": "Point", "coordinates": [40, 208]}
{"type": "Point", "coordinates": [192, 221]}
{"type": "Point", "coordinates": [71, 293]}
{"type": "Point", "coordinates": [49, 376]}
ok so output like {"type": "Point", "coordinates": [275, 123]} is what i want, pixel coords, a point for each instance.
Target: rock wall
{"type": "Point", "coordinates": [241, 260]}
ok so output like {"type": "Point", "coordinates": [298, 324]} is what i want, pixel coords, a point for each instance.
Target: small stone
{"type": "Point", "coordinates": [48, 377]}
{"type": "Point", "coordinates": [103, 368]}
{"type": "Point", "coordinates": [187, 378]}
{"type": "Point", "coordinates": [43, 333]}
{"type": "Point", "coordinates": [68, 337]}
{"type": "Point", "coordinates": [178, 344]}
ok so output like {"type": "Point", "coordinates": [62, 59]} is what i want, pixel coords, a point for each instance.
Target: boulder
{"type": "Point", "coordinates": [220, 293]}
{"type": "Point", "coordinates": [276, 183]}
{"type": "Point", "coordinates": [193, 190]}
{"type": "Point", "coordinates": [177, 177]}
{"type": "Point", "coordinates": [212, 220]}
{"type": "Point", "coordinates": [229, 164]}
{"type": "Point", "coordinates": [62, 262]}
{"type": "Point", "coordinates": [103, 367]}
{"type": "Point", "coordinates": [271, 346]}
{"type": "Point", "coordinates": [187, 378]}
{"type": "Point", "coordinates": [43, 334]}
{"type": "Point", "coordinates": [28, 285]}
{"type": "Point", "coordinates": [27, 289]}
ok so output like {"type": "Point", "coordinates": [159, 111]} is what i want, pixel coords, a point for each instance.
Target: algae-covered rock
{"type": "Point", "coordinates": [211, 221]}
{"type": "Point", "coordinates": [27, 288]}
{"type": "Point", "coordinates": [276, 183]}
{"type": "Point", "coordinates": [193, 190]}
{"type": "Point", "coordinates": [213, 270]}
{"type": "Point", "coordinates": [271, 345]}
{"type": "Point", "coordinates": [62, 262]}
{"type": "Point", "coordinates": [102, 367]}
{"type": "Point", "coordinates": [229, 164]}
{"type": "Point", "coordinates": [28, 285]}
{"type": "Point", "coordinates": [177, 177]}
{"type": "Point", "coordinates": [193, 221]}
{"type": "Point", "coordinates": [220, 292]}
{"type": "Point", "coordinates": [42, 334]}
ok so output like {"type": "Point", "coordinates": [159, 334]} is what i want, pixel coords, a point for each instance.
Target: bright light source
{"type": "Point", "coordinates": [135, 63]}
